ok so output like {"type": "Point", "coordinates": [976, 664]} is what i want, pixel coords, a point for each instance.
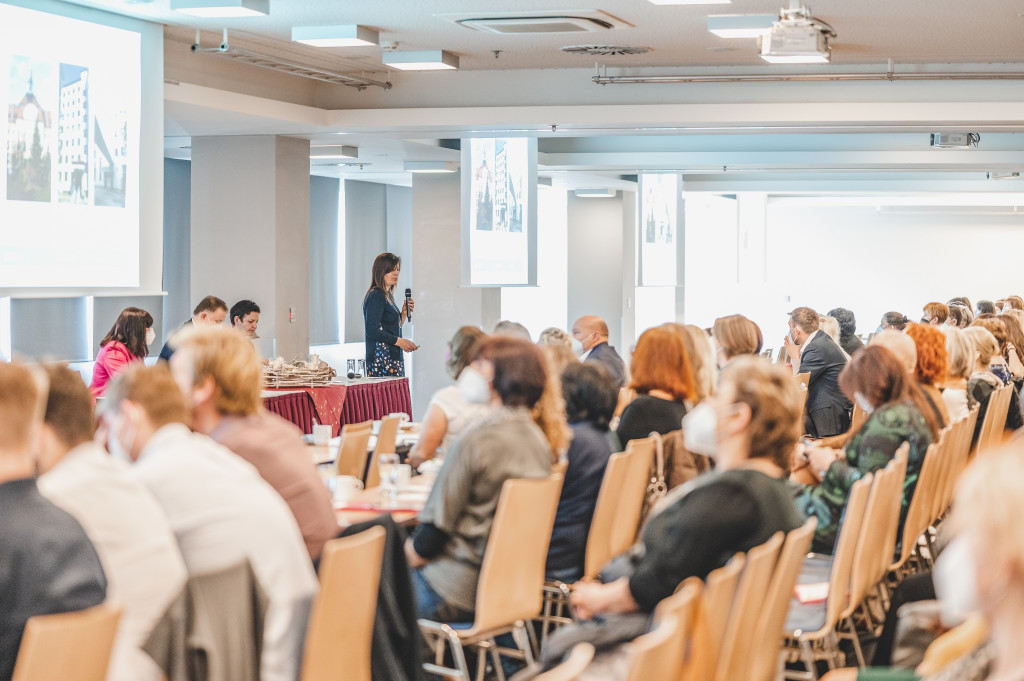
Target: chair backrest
{"type": "Point", "coordinates": [858, 418]}
{"type": "Point", "coordinates": [632, 494]}
{"type": "Point", "coordinates": [886, 549]}
{"type": "Point", "coordinates": [70, 645]}
{"type": "Point", "coordinates": [340, 632]}
{"type": "Point", "coordinates": [846, 548]}
{"type": "Point", "coordinates": [947, 442]}
{"type": "Point", "coordinates": [680, 607]}
{"type": "Point", "coordinates": [918, 517]}
{"type": "Point", "coordinates": [654, 654]}
{"type": "Point", "coordinates": [580, 656]}
{"type": "Point", "coordinates": [995, 419]}
{"type": "Point", "coordinates": [783, 356]}
{"type": "Point", "coordinates": [511, 581]}
{"type": "Point", "coordinates": [746, 606]}
{"type": "Point", "coordinates": [710, 619]}
{"type": "Point", "coordinates": [606, 509]}
{"type": "Point", "coordinates": [803, 378]}
{"type": "Point", "coordinates": [352, 453]}
{"type": "Point", "coordinates": [762, 658]}
{"type": "Point", "coordinates": [385, 445]}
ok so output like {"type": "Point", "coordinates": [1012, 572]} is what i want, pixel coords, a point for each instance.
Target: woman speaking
{"type": "Point", "coordinates": [383, 320]}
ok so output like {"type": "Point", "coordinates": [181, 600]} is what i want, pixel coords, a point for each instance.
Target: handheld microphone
{"type": "Point", "coordinates": [353, 374]}
{"type": "Point", "coordinates": [408, 297]}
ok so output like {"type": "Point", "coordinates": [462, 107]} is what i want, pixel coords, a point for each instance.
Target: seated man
{"type": "Point", "coordinates": [828, 410]}
{"type": "Point", "coordinates": [245, 315]}
{"type": "Point", "coordinates": [210, 310]}
{"type": "Point", "coordinates": [219, 508]}
{"type": "Point", "coordinates": [592, 334]}
{"type": "Point", "coordinates": [47, 564]}
{"type": "Point", "coordinates": [219, 374]}
{"type": "Point", "coordinates": [125, 523]}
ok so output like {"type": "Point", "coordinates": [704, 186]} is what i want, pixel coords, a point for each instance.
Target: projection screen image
{"type": "Point", "coordinates": [498, 211]}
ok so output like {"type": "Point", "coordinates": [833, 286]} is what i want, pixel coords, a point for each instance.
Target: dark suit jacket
{"type": "Point", "coordinates": [828, 410]}
{"type": "Point", "coordinates": [605, 355]}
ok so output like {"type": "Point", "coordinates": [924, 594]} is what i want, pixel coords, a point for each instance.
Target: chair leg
{"type": "Point", "coordinates": [499, 670]}
{"type": "Point", "coordinates": [856, 642]}
{"type": "Point", "coordinates": [521, 634]}
{"type": "Point", "coordinates": [808, 655]}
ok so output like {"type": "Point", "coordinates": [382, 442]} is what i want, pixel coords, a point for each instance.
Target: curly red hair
{"type": "Point", "coordinates": [932, 357]}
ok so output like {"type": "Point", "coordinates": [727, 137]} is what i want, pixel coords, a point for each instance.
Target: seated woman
{"type": "Point", "coordinates": [898, 413]}
{"type": "Point", "coordinates": [960, 352]}
{"type": "Point", "coordinates": [127, 341]}
{"type": "Point", "coordinates": [448, 414]}
{"type": "Point", "coordinates": [507, 374]}
{"type": "Point", "coordinates": [663, 379]}
{"type": "Point", "coordinates": [590, 394]}
{"type": "Point", "coordinates": [735, 335]}
{"type": "Point", "coordinates": [749, 426]}
{"type": "Point", "coordinates": [893, 321]}
{"type": "Point", "coordinates": [983, 382]}
{"type": "Point", "coordinates": [931, 366]}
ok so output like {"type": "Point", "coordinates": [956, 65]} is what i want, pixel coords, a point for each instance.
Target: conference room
{"type": "Point", "coordinates": [679, 163]}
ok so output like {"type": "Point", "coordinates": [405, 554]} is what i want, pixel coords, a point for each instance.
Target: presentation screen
{"type": "Point", "coordinates": [499, 212]}
{"type": "Point", "coordinates": [69, 196]}
{"type": "Point", "coordinates": [660, 194]}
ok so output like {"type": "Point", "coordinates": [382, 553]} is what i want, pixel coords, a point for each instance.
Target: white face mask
{"type": "Point", "coordinates": [956, 581]}
{"type": "Point", "coordinates": [577, 347]}
{"type": "Point", "coordinates": [150, 336]}
{"type": "Point", "coordinates": [863, 402]}
{"type": "Point", "coordinates": [474, 388]}
{"type": "Point", "coordinates": [700, 430]}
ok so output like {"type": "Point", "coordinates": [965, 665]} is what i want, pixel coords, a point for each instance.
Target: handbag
{"type": "Point", "coordinates": [656, 486]}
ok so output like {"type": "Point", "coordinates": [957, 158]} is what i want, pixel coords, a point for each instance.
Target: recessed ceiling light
{"type": "Point", "coordinates": [222, 8]}
{"type": "Point", "coordinates": [690, 2]}
{"type": "Point", "coordinates": [334, 36]}
{"type": "Point", "coordinates": [595, 193]}
{"type": "Point", "coordinates": [431, 166]}
{"type": "Point", "coordinates": [741, 25]}
{"type": "Point", "coordinates": [334, 151]}
{"type": "Point", "coordinates": [423, 60]}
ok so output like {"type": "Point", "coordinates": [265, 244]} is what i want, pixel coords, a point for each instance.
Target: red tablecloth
{"type": "Point", "coordinates": [339, 404]}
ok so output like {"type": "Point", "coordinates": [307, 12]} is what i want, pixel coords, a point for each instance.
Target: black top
{"type": "Point", "coordinates": [588, 457]}
{"type": "Point", "coordinates": [851, 344]}
{"type": "Point", "coordinates": [724, 513]}
{"type": "Point", "coordinates": [382, 323]}
{"type": "Point", "coordinates": [647, 414]}
{"type": "Point", "coordinates": [166, 351]}
{"type": "Point", "coordinates": [47, 565]}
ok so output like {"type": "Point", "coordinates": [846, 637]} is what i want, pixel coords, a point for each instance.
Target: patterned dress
{"type": "Point", "coordinates": [869, 450]}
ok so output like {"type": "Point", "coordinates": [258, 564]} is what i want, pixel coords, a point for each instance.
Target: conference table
{"type": "Point", "coordinates": [340, 403]}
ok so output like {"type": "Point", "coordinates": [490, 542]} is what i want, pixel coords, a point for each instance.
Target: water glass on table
{"type": "Point", "coordinates": [388, 465]}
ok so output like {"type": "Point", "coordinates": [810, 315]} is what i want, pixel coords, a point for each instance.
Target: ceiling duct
{"type": "Point", "coordinates": [533, 22]}
{"type": "Point", "coordinates": [604, 50]}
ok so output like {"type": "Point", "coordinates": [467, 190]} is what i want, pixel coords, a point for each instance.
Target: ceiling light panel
{"type": "Point", "coordinates": [431, 166]}
{"type": "Point", "coordinates": [218, 9]}
{"type": "Point", "coordinates": [422, 60]}
{"type": "Point", "coordinates": [335, 36]}
{"type": "Point", "coordinates": [741, 25]}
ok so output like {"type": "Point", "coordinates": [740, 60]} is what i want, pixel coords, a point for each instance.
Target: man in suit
{"type": "Point", "coordinates": [210, 310]}
{"type": "Point", "coordinates": [591, 334]}
{"type": "Point", "coordinates": [828, 410]}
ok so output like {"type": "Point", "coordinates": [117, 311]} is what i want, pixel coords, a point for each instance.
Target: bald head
{"type": "Point", "coordinates": [589, 331]}
{"type": "Point", "coordinates": [899, 344]}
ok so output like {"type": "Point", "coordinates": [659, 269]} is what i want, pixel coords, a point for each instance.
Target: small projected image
{"type": "Point", "coordinates": [109, 156]}
{"type": "Point", "coordinates": [659, 209]}
{"type": "Point", "coordinates": [73, 136]}
{"type": "Point", "coordinates": [483, 192]}
{"type": "Point", "coordinates": [31, 117]}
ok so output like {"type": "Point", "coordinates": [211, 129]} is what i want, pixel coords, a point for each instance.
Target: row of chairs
{"type": "Point", "coordinates": [353, 453]}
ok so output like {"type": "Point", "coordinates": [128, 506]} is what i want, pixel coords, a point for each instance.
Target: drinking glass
{"type": "Point", "coordinates": [388, 466]}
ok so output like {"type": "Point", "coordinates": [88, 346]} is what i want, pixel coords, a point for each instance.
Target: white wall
{"type": "Point", "coordinates": [595, 243]}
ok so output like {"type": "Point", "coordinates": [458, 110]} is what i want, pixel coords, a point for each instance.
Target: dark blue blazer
{"type": "Point", "coordinates": [605, 355]}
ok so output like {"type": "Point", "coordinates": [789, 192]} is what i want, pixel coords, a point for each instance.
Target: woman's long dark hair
{"type": "Point", "coordinates": [130, 329]}
{"type": "Point", "coordinates": [383, 264]}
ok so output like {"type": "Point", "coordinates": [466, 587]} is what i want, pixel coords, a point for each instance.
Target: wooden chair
{"type": "Point", "coordinates": [747, 603]}
{"type": "Point", "coordinates": [352, 453]}
{"type": "Point", "coordinates": [823, 643]}
{"type": "Point", "coordinates": [340, 633]}
{"type": "Point", "coordinates": [763, 659]}
{"type": "Point", "coordinates": [385, 445]}
{"type": "Point", "coordinates": [858, 418]}
{"type": "Point", "coordinates": [579, 658]}
{"type": "Point", "coordinates": [995, 419]}
{"type": "Point", "coordinates": [710, 619]}
{"type": "Point", "coordinates": [508, 592]}
{"type": "Point", "coordinates": [626, 523]}
{"type": "Point", "coordinates": [654, 654]}
{"type": "Point", "coordinates": [70, 645]}
{"type": "Point", "coordinates": [803, 378]}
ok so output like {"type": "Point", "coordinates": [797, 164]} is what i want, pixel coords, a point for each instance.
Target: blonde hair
{"type": "Point", "coordinates": [737, 335]}
{"type": "Point", "coordinates": [961, 352]}
{"type": "Point", "coordinates": [554, 336]}
{"type": "Point", "coordinates": [830, 326]}
{"type": "Point", "coordinates": [549, 412]}
{"type": "Point", "coordinates": [702, 358]}
{"type": "Point", "coordinates": [899, 344]}
{"type": "Point", "coordinates": [152, 388]}
{"type": "Point", "coordinates": [229, 358]}
{"type": "Point", "coordinates": [984, 342]}
{"type": "Point", "coordinates": [775, 415]}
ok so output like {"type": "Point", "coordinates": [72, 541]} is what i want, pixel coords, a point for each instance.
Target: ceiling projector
{"type": "Point", "coordinates": [797, 38]}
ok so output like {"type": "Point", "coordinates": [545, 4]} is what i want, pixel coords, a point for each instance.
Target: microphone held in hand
{"type": "Point", "coordinates": [408, 298]}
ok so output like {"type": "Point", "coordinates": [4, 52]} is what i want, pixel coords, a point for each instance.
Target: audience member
{"type": "Point", "coordinates": [554, 336]}
{"type": "Point", "coordinates": [893, 321]}
{"type": "Point", "coordinates": [982, 382]}
{"type": "Point", "coordinates": [828, 410]}
{"type": "Point", "coordinates": [47, 563]}
{"type": "Point", "coordinates": [140, 556]}
{"type": "Point", "coordinates": [590, 395]}
{"type": "Point", "coordinates": [702, 360]}
{"type": "Point", "coordinates": [899, 344]}
{"type": "Point", "coordinates": [848, 339]}
{"type": "Point", "coordinates": [219, 508]}
{"type": "Point", "coordinates": [830, 327]}
{"type": "Point", "coordinates": [663, 380]}
{"type": "Point", "coordinates": [959, 316]}
{"type": "Point", "coordinates": [935, 314]}
{"type": "Point", "coordinates": [734, 336]}
{"type": "Point", "coordinates": [961, 300]}
{"type": "Point", "coordinates": [931, 367]}
{"type": "Point", "coordinates": [218, 372]}
{"type": "Point", "coordinates": [244, 316]}
{"type": "Point", "coordinates": [591, 335]}
{"type": "Point", "coordinates": [449, 414]}
{"type": "Point", "coordinates": [1013, 303]}
{"type": "Point", "coordinates": [961, 354]}
{"type": "Point", "coordinates": [558, 357]}
{"type": "Point", "coordinates": [986, 307]}
{"type": "Point", "coordinates": [897, 413]}
{"type": "Point", "coordinates": [1014, 350]}
{"type": "Point", "coordinates": [514, 329]}
{"type": "Point", "coordinates": [446, 550]}
{"type": "Point", "coordinates": [997, 364]}
{"type": "Point", "coordinates": [209, 310]}
{"type": "Point", "coordinates": [127, 341]}
{"type": "Point", "coordinates": [749, 426]}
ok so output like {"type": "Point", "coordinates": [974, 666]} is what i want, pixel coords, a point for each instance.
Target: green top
{"type": "Point", "coordinates": [870, 449]}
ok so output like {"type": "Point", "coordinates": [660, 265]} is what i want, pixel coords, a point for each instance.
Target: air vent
{"type": "Point", "coordinates": [533, 22]}
{"type": "Point", "coordinates": [604, 50]}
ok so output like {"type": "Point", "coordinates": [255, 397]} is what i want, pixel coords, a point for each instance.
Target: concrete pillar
{"type": "Point", "coordinates": [250, 232]}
